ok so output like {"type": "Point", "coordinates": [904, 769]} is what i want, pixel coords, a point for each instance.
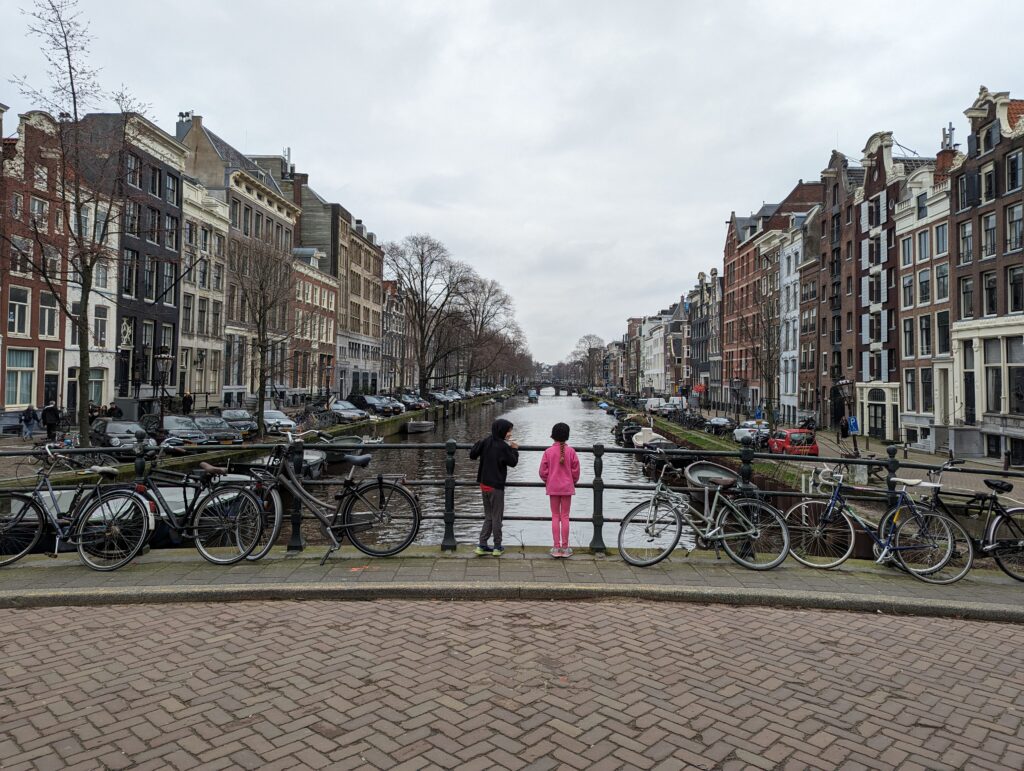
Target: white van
{"type": "Point", "coordinates": [654, 402]}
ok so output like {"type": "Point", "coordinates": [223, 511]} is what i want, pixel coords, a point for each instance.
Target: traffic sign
{"type": "Point", "coordinates": [852, 422]}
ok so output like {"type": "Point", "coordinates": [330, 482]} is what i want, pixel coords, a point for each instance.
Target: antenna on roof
{"type": "Point", "coordinates": [912, 152]}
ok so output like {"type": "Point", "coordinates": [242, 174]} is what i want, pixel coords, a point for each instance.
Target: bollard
{"type": "Point", "coordinates": [747, 464]}
{"type": "Point", "coordinates": [140, 455]}
{"type": "Point", "coordinates": [1006, 460]}
{"type": "Point", "coordinates": [296, 542]}
{"type": "Point", "coordinates": [893, 468]}
{"type": "Point", "coordinates": [448, 543]}
{"type": "Point", "coordinates": [597, 541]}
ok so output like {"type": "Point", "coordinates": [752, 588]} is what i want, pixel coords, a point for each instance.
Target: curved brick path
{"type": "Point", "coordinates": [512, 684]}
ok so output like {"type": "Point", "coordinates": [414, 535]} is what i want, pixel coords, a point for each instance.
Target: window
{"type": "Point", "coordinates": [167, 337]}
{"type": "Point", "coordinates": [927, 393]}
{"type": "Point", "coordinates": [47, 315]}
{"type": "Point", "coordinates": [910, 389]}
{"type": "Point", "coordinates": [235, 209]}
{"type": "Point", "coordinates": [152, 226]}
{"type": "Point", "coordinates": [908, 338]}
{"type": "Point", "coordinates": [204, 274]}
{"type": "Point", "coordinates": [962, 193]}
{"type": "Point", "coordinates": [99, 274]}
{"type": "Point", "coordinates": [1015, 227]}
{"type": "Point", "coordinates": [133, 166]}
{"type": "Point", "coordinates": [908, 291]}
{"type": "Point", "coordinates": [186, 312]}
{"type": "Point", "coordinates": [966, 242]}
{"type": "Point", "coordinates": [20, 380]}
{"type": "Point", "coordinates": [218, 276]}
{"type": "Point", "coordinates": [942, 282]}
{"type": "Point", "coordinates": [988, 231]}
{"type": "Point", "coordinates": [922, 206]}
{"type": "Point", "coordinates": [246, 220]}
{"type": "Point", "coordinates": [257, 228]}
{"type": "Point", "coordinates": [925, 335]}
{"type": "Point", "coordinates": [172, 190]}
{"type": "Point", "coordinates": [1013, 171]}
{"type": "Point", "coordinates": [924, 287]}
{"type": "Point", "coordinates": [941, 239]}
{"type": "Point", "coordinates": [215, 319]}
{"type": "Point", "coordinates": [967, 298]}
{"type": "Point", "coordinates": [148, 335]}
{"type": "Point", "coordinates": [21, 254]}
{"type": "Point", "coordinates": [907, 250]}
{"type": "Point", "coordinates": [132, 218]}
{"type": "Point", "coordinates": [155, 182]}
{"type": "Point", "coordinates": [988, 182]}
{"type": "Point", "coordinates": [1015, 373]}
{"type": "Point", "coordinates": [924, 245]}
{"type": "Point", "coordinates": [37, 213]}
{"type": "Point", "coordinates": [129, 265]}
{"type": "Point", "coordinates": [231, 301]}
{"type": "Point", "coordinates": [99, 327]}
{"type": "Point", "coordinates": [170, 232]}
{"type": "Point", "coordinates": [167, 276]}
{"type": "Point", "coordinates": [989, 294]}
{"type": "Point", "coordinates": [17, 311]}
{"type": "Point", "coordinates": [148, 278]}
{"type": "Point", "coordinates": [993, 374]}
{"type": "Point", "coordinates": [76, 311]}
{"type": "Point", "coordinates": [189, 229]}
{"type": "Point", "coordinates": [942, 332]}
{"type": "Point", "coordinates": [201, 316]}
{"type": "Point", "coordinates": [1015, 289]}
{"type": "Point", "coordinates": [218, 245]}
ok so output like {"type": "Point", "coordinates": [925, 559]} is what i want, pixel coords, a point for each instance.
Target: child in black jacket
{"type": "Point", "coordinates": [496, 453]}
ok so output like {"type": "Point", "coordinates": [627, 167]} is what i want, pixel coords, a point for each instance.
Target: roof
{"type": "Point", "coordinates": [767, 210]}
{"type": "Point", "coordinates": [856, 175]}
{"type": "Point", "coordinates": [913, 164]}
{"type": "Point", "coordinates": [1016, 112]}
{"type": "Point", "coordinates": [239, 160]}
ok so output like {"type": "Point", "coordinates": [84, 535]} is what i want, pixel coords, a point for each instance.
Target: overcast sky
{"type": "Point", "coordinates": [585, 154]}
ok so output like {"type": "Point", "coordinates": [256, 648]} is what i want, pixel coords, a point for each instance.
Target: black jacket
{"type": "Point", "coordinates": [51, 416]}
{"type": "Point", "coordinates": [495, 456]}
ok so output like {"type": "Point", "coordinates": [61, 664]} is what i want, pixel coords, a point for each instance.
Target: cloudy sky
{"type": "Point", "coordinates": [585, 154]}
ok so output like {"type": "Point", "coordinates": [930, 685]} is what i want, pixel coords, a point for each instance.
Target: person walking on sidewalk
{"type": "Point", "coordinates": [51, 419]}
{"type": "Point", "coordinates": [28, 421]}
{"type": "Point", "coordinates": [496, 453]}
{"type": "Point", "coordinates": [560, 470]}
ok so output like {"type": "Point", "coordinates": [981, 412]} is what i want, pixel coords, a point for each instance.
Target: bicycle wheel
{"type": "Point", "coordinates": [380, 519]}
{"type": "Point", "coordinates": [754, 534]}
{"type": "Point", "coordinates": [273, 516]}
{"type": "Point", "coordinates": [21, 525]}
{"type": "Point", "coordinates": [893, 517]}
{"type": "Point", "coordinates": [1008, 535]}
{"type": "Point", "coordinates": [111, 530]}
{"type": "Point", "coordinates": [227, 525]}
{"type": "Point", "coordinates": [819, 537]}
{"type": "Point", "coordinates": [933, 548]}
{"type": "Point", "coordinates": [649, 533]}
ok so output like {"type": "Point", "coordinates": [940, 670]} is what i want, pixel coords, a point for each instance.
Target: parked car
{"type": "Point", "coordinates": [439, 397]}
{"type": "Point", "coordinates": [372, 404]}
{"type": "Point", "coordinates": [276, 422]}
{"type": "Point", "coordinates": [397, 407]}
{"type": "Point", "coordinates": [413, 402]}
{"type": "Point", "coordinates": [757, 432]}
{"type": "Point", "coordinates": [793, 441]}
{"type": "Point", "coordinates": [177, 427]}
{"type": "Point", "coordinates": [218, 429]}
{"type": "Point", "coordinates": [110, 432]}
{"type": "Point", "coordinates": [347, 412]}
{"type": "Point", "coordinates": [242, 422]}
{"type": "Point", "coordinates": [719, 426]}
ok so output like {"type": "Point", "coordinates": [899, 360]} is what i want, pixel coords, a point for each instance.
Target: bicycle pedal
{"type": "Point", "coordinates": [51, 555]}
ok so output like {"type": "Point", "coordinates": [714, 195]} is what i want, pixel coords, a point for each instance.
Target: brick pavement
{"type": "Point", "coordinates": [391, 684]}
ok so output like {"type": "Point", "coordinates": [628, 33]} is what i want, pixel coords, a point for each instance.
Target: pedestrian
{"type": "Point", "coordinates": [94, 411]}
{"type": "Point", "coordinates": [51, 417]}
{"type": "Point", "coordinates": [560, 470]}
{"type": "Point", "coordinates": [28, 421]}
{"type": "Point", "coordinates": [496, 453]}
{"type": "Point", "coordinates": [186, 403]}
{"type": "Point", "coordinates": [114, 411]}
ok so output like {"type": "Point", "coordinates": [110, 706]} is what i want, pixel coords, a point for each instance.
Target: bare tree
{"type": "Point", "coordinates": [587, 354]}
{"type": "Point", "coordinates": [759, 329]}
{"type": "Point", "coordinates": [266, 283]}
{"type": "Point", "coordinates": [488, 316]}
{"type": "Point", "coordinates": [431, 282]}
{"type": "Point", "coordinates": [90, 162]}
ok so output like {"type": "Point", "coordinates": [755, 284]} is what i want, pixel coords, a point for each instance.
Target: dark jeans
{"type": "Point", "coordinates": [494, 510]}
{"type": "Point", "coordinates": [51, 431]}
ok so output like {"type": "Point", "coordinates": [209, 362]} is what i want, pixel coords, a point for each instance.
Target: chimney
{"type": "Point", "coordinates": [944, 158]}
{"type": "Point", "coordinates": [186, 120]}
{"type": "Point", "coordinates": [3, 108]}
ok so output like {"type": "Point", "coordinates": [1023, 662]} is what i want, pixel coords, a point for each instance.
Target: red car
{"type": "Point", "coordinates": [793, 441]}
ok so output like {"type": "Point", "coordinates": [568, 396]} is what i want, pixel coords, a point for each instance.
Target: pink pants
{"type": "Point", "coordinates": [560, 520]}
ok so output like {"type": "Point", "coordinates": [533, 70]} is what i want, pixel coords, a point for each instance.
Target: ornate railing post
{"type": "Point", "coordinates": [893, 467]}
{"type": "Point", "coordinates": [747, 464]}
{"type": "Point", "coordinates": [597, 541]}
{"type": "Point", "coordinates": [296, 542]}
{"type": "Point", "coordinates": [140, 455]}
{"type": "Point", "coordinates": [448, 543]}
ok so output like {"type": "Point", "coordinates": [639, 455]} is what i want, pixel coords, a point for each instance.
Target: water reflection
{"type": "Point", "coordinates": [589, 424]}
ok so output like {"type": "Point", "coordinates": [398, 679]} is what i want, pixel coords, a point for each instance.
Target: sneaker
{"type": "Point", "coordinates": [556, 552]}
{"type": "Point", "coordinates": [497, 551]}
{"type": "Point", "coordinates": [566, 552]}
{"type": "Point", "coordinates": [483, 550]}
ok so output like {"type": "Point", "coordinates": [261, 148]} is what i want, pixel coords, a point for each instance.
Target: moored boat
{"type": "Point", "coordinates": [419, 426]}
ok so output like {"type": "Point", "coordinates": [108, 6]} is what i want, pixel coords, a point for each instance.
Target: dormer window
{"type": "Point", "coordinates": [989, 137]}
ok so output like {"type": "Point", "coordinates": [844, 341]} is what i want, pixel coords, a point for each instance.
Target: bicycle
{"type": "Point", "coordinates": [1002, 536]}
{"type": "Point", "coordinates": [224, 522]}
{"type": "Point", "coordinates": [752, 533]}
{"type": "Point", "coordinates": [918, 540]}
{"type": "Point", "coordinates": [380, 515]}
{"type": "Point", "coordinates": [108, 530]}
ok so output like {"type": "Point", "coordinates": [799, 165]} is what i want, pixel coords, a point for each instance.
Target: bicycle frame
{"type": "Point", "coordinates": [705, 525]}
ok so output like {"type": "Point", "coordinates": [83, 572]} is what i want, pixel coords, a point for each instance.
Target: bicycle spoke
{"type": "Point", "coordinates": [375, 527]}
{"type": "Point", "coordinates": [820, 537]}
{"type": "Point", "coordinates": [649, 533]}
{"type": "Point", "coordinates": [1008, 535]}
{"type": "Point", "coordinates": [21, 525]}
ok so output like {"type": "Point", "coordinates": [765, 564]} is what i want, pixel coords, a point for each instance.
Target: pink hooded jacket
{"type": "Point", "coordinates": [560, 478]}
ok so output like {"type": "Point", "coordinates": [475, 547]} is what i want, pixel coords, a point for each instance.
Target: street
{"type": "Point", "coordinates": [525, 684]}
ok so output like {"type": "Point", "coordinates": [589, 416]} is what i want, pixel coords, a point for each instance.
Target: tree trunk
{"type": "Point", "coordinates": [84, 365]}
{"type": "Point", "coordinates": [261, 388]}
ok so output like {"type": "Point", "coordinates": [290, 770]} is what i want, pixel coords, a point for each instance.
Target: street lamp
{"type": "Point", "coordinates": [736, 384]}
{"type": "Point", "coordinates": [164, 360]}
{"type": "Point", "coordinates": [843, 388]}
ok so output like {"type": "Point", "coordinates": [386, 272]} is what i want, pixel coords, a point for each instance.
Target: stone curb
{"type": "Point", "coordinates": [742, 597]}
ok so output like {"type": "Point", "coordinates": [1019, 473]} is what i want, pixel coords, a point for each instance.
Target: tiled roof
{"type": "Point", "coordinates": [856, 175]}
{"type": "Point", "coordinates": [913, 164]}
{"type": "Point", "coordinates": [1016, 111]}
{"type": "Point", "coordinates": [238, 160]}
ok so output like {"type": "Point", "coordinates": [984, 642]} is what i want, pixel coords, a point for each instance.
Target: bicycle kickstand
{"type": "Point", "coordinates": [335, 545]}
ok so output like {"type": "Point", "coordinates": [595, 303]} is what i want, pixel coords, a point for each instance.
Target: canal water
{"type": "Point", "coordinates": [532, 426]}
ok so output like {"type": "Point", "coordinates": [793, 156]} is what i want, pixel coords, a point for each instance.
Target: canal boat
{"type": "Point", "coordinates": [340, 446]}
{"type": "Point", "coordinates": [313, 462]}
{"type": "Point", "coordinates": [532, 396]}
{"type": "Point", "coordinates": [419, 426]}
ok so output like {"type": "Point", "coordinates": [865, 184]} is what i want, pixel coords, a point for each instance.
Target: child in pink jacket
{"type": "Point", "coordinates": [560, 470]}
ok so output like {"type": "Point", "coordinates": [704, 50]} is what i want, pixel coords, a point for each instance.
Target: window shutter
{"type": "Point", "coordinates": [883, 213]}
{"type": "Point", "coordinates": [865, 366]}
{"type": "Point", "coordinates": [865, 291]}
{"type": "Point", "coordinates": [863, 216]}
{"type": "Point", "coordinates": [972, 145]}
{"type": "Point", "coordinates": [865, 328]}
{"type": "Point", "coordinates": [884, 374]}
{"type": "Point", "coordinates": [884, 323]}
{"type": "Point", "coordinates": [865, 261]}
{"type": "Point", "coordinates": [996, 135]}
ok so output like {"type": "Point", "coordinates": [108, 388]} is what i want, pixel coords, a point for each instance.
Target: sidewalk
{"type": "Point", "coordinates": [525, 573]}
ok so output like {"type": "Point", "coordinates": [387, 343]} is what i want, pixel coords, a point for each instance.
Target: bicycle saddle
{"type": "Point", "coordinates": [722, 482]}
{"type": "Point", "coordinates": [104, 471]}
{"type": "Point", "coordinates": [213, 470]}
{"type": "Point", "coordinates": [998, 486]}
{"type": "Point", "coordinates": [362, 461]}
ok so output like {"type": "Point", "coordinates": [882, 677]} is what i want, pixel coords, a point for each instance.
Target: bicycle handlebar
{"type": "Point", "coordinates": [319, 434]}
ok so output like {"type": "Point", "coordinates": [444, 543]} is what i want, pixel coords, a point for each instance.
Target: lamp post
{"type": "Point", "coordinates": [164, 359]}
{"type": "Point", "coordinates": [843, 388]}
{"type": "Point", "coordinates": [736, 384]}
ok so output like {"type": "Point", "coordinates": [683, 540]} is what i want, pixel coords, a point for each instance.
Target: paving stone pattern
{"type": "Point", "coordinates": [392, 684]}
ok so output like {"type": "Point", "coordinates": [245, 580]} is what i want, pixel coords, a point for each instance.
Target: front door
{"type": "Point", "coordinates": [970, 416]}
{"type": "Point", "coordinates": [876, 421]}
{"type": "Point", "coordinates": [50, 388]}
